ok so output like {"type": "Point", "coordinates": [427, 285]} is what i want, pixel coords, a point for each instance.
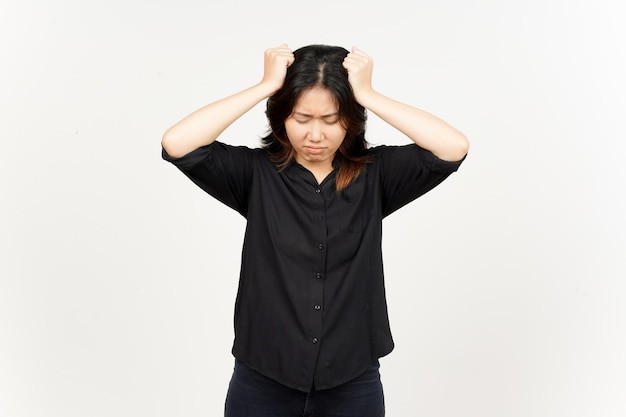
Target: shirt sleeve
{"type": "Point", "coordinates": [223, 171]}
{"type": "Point", "coordinates": [407, 172]}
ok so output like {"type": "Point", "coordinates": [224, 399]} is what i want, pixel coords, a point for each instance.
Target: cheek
{"type": "Point", "coordinates": [338, 136]}
{"type": "Point", "coordinates": [293, 131]}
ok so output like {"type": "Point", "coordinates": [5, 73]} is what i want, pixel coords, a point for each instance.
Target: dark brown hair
{"type": "Point", "coordinates": [319, 66]}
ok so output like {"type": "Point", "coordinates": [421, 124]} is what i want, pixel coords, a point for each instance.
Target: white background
{"type": "Point", "coordinates": [506, 284]}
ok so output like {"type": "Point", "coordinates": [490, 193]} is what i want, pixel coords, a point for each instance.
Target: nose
{"type": "Point", "coordinates": [315, 134]}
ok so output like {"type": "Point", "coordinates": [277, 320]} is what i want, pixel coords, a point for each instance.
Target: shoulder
{"type": "Point", "coordinates": [216, 151]}
{"type": "Point", "coordinates": [222, 147]}
{"type": "Point", "coordinates": [397, 156]}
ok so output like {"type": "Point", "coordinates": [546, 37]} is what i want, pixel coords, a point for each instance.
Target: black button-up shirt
{"type": "Point", "coordinates": [310, 308]}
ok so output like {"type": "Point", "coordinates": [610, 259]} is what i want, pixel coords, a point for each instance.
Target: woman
{"type": "Point", "coordinates": [311, 316]}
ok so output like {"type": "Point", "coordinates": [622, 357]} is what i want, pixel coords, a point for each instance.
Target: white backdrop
{"type": "Point", "coordinates": [506, 284]}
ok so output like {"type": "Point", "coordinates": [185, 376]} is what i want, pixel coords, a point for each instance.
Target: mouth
{"type": "Point", "coordinates": [314, 150]}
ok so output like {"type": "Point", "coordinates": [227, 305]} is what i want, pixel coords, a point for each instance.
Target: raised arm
{"type": "Point", "coordinates": [423, 128]}
{"type": "Point", "coordinates": [204, 125]}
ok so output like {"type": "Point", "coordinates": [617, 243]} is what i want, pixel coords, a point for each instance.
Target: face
{"type": "Point", "coordinates": [314, 129]}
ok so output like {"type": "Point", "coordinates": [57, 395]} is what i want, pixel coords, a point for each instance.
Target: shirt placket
{"type": "Point", "coordinates": [319, 268]}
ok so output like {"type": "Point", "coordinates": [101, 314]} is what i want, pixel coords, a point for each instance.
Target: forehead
{"type": "Point", "coordinates": [317, 100]}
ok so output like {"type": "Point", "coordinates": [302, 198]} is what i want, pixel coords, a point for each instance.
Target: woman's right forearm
{"type": "Point", "coordinates": [203, 126]}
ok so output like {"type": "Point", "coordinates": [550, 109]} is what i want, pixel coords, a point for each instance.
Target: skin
{"type": "Point", "coordinates": [203, 126]}
{"type": "Point", "coordinates": [315, 131]}
{"type": "Point", "coordinates": [425, 129]}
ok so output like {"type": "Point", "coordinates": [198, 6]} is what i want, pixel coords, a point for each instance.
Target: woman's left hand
{"type": "Point", "coordinates": [359, 66]}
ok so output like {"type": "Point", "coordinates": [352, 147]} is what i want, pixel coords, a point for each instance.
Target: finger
{"type": "Point", "coordinates": [281, 54]}
{"type": "Point", "coordinates": [360, 51]}
{"type": "Point", "coordinates": [283, 48]}
{"type": "Point", "coordinates": [353, 63]}
{"type": "Point", "coordinates": [358, 54]}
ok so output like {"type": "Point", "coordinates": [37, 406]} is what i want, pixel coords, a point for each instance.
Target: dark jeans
{"type": "Point", "coordinates": [251, 394]}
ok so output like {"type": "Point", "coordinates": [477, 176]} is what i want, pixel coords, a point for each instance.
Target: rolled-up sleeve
{"type": "Point", "coordinates": [407, 172]}
{"type": "Point", "coordinates": [221, 170]}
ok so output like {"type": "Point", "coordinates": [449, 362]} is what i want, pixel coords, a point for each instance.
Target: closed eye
{"type": "Point", "coordinates": [326, 122]}
{"type": "Point", "coordinates": [303, 118]}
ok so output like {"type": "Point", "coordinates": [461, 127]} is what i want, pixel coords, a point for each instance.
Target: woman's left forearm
{"type": "Point", "coordinates": [425, 129]}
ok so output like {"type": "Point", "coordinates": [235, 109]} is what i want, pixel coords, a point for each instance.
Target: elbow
{"type": "Point", "coordinates": [463, 147]}
{"type": "Point", "coordinates": [457, 149]}
{"type": "Point", "coordinates": [168, 143]}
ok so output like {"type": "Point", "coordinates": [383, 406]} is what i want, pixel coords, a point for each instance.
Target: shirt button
{"type": "Point", "coordinates": [320, 246]}
{"type": "Point", "coordinates": [314, 340]}
{"type": "Point", "coordinates": [317, 190]}
{"type": "Point", "coordinates": [318, 307]}
{"type": "Point", "coordinates": [320, 218]}
{"type": "Point", "coordinates": [318, 275]}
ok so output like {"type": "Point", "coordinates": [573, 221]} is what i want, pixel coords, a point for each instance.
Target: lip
{"type": "Point", "coordinates": [314, 150]}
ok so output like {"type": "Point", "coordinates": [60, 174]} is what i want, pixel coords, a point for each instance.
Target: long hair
{"type": "Point", "coordinates": [319, 66]}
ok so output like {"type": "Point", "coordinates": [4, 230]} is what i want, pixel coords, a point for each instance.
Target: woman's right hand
{"type": "Point", "coordinates": [277, 60]}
